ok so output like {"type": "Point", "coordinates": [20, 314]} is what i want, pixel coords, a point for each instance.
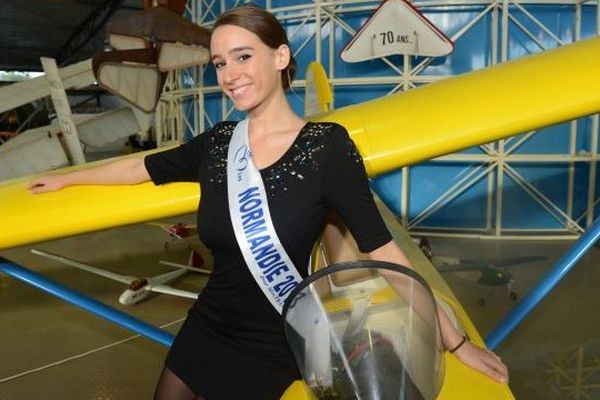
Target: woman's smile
{"type": "Point", "coordinates": [238, 92]}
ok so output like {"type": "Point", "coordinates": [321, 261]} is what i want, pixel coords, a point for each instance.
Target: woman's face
{"type": "Point", "coordinates": [248, 71]}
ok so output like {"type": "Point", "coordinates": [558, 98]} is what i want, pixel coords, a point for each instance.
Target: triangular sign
{"type": "Point", "coordinates": [396, 27]}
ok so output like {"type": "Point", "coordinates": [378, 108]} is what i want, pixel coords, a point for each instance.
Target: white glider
{"type": "Point", "coordinates": [138, 288]}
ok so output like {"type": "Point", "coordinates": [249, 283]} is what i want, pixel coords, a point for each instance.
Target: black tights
{"type": "Point", "coordinates": [170, 387]}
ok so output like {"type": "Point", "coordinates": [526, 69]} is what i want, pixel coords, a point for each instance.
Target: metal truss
{"type": "Point", "coordinates": [496, 161]}
{"type": "Point", "coordinates": [88, 28]}
{"type": "Point", "coordinates": [576, 375]}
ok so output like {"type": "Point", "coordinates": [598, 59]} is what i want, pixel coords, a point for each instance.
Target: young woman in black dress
{"type": "Point", "coordinates": [232, 344]}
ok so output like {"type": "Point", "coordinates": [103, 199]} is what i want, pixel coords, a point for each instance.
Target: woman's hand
{"type": "Point", "coordinates": [47, 183]}
{"type": "Point", "coordinates": [483, 360]}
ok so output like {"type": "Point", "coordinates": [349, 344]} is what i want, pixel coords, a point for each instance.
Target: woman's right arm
{"type": "Point", "coordinates": [127, 171]}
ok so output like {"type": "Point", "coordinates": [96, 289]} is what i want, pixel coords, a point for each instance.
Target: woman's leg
{"type": "Point", "coordinates": [170, 387]}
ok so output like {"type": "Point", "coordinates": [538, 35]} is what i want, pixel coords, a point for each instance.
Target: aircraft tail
{"type": "Point", "coordinates": [318, 97]}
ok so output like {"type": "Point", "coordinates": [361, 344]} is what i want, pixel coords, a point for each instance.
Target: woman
{"type": "Point", "coordinates": [232, 344]}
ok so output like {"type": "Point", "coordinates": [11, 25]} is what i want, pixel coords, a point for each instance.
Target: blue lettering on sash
{"type": "Point", "coordinates": [269, 260]}
{"type": "Point", "coordinates": [283, 288]}
{"type": "Point", "coordinates": [256, 242]}
{"type": "Point", "coordinates": [250, 205]}
{"type": "Point", "coordinates": [277, 270]}
{"type": "Point", "coordinates": [251, 211]}
{"type": "Point", "coordinates": [248, 193]}
{"type": "Point", "coordinates": [264, 251]}
{"type": "Point", "coordinates": [256, 226]}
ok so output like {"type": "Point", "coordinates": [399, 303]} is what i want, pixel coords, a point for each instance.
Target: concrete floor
{"type": "Point", "coordinates": [53, 350]}
{"type": "Point", "coordinates": [555, 352]}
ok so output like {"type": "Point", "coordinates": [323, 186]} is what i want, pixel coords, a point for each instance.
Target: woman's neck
{"type": "Point", "coordinates": [274, 114]}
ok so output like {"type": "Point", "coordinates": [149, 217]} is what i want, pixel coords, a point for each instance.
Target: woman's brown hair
{"type": "Point", "coordinates": [264, 25]}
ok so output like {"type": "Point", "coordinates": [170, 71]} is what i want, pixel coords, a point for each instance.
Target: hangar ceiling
{"type": "Point", "coordinates": [30, 29]}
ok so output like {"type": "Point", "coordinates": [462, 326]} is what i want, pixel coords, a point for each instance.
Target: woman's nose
{"type": "Point", "coordinates": [230, 74]}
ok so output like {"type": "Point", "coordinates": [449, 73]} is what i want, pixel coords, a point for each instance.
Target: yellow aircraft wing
{"type": "Point", "coordinates": [475, 108]}
{"type": "Point", "coordinates": [393, 131]}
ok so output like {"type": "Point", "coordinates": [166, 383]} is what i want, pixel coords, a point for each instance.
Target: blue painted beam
{"type": "Point", "coordinates": [545, 286]}
{"type": "Point", "coordinates": [87, 303]}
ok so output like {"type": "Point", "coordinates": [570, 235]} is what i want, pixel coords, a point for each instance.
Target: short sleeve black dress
{"type": "Point", "coordinates": [232, 344]}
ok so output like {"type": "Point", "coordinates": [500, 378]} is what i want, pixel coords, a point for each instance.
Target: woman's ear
{"type": "Point", "coordinates": [282, 57]}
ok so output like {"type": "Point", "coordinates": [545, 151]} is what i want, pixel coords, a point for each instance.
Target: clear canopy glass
{"type": "Point", "coordinates": [366, 330]}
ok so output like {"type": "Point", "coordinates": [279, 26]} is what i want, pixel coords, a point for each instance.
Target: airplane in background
{"type": "Point", "coordinates": [144, 48]}
{"type": "Point", "coordinates": [139, 288]}
{"type": "Point", "coordinates": [177, 231]}
{"type": "Point", "coordinates": [489, 272]}
{"type": "Point", "coordinates": [493, 273]}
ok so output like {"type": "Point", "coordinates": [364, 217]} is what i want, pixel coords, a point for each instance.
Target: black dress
{"type": "Point", "coordinates": [232, 345]}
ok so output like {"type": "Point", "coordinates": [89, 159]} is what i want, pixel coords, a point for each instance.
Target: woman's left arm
{"type": "Point", "coordinates": [474, 356]}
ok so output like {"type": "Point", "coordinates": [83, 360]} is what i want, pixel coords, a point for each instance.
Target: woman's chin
{"type": "Point", "coordinates": [243, 106]}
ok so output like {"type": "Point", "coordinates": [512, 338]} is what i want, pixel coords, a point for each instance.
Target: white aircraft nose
{"type": "Point", "coordinates": [127, 297]}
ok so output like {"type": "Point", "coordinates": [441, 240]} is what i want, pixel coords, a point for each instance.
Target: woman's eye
{"type": "Point", "coordinates": [219, 64]}
{"type": "Point", "coordinates": [244, 57]}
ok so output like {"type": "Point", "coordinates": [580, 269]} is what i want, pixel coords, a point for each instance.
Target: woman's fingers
{"type": "Point", "coordinates": [499, 369]}
{"type": "Point", "coordinates": [45, 184]}
{"type": "Point", "coordinates": [484, 361]}
{"type": "Point", "coordinates": [36, 186]}
{"type": "Point", "coordinates": [33, 184]}
{"type": "Point", "coordinates": [492, 371]}
{"type": "Point", "coordinates": [39, 189]}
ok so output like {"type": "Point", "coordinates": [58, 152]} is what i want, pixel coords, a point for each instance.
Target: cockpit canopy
{"type": "Point", "coordinates": [372, 338]}
{"type": "Point", "coordinates": [138, 284]}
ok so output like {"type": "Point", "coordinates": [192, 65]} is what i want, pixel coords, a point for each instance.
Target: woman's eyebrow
{"type": "Point", "coordinates": [234, 50]}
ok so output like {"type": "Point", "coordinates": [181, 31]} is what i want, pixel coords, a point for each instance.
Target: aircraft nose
{"type": "Point", "coordinates": [125, 297]}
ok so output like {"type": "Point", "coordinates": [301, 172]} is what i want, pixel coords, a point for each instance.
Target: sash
{"type": "Point", "coordinates": [264, 254]}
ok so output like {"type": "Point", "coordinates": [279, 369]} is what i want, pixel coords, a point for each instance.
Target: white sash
{"type": "Point", "coordinates": [264, 254]}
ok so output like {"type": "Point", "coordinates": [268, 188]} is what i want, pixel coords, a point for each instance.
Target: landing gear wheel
{"type": "Point", "coordinates": [513, 296]}
{"type": "Point", "coordinates": [481, 302]}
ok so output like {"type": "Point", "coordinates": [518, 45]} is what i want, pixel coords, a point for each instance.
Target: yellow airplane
{"type": "Point", "coordinates": [391, 132]}
{"type": "Point", "coordinates": [402, 129]}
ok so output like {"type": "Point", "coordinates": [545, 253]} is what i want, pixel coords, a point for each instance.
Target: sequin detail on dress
{"type": "Point", "coordinates": [299, 161]}
{"type": "Point", "coordinates": [219, 139]}
{"type": "Point", "coordinates": [295, 165]}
